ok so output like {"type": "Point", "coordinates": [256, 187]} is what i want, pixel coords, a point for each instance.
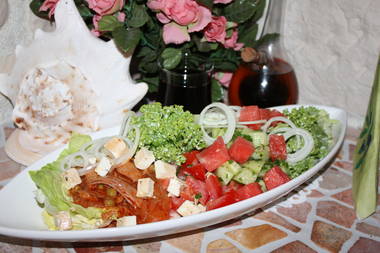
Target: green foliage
{"type": "Point", "coordinates": [109, 23]}
{"type": "Point", "coordinates": [141, 34]}
{"type": "Point", "coordinates": [126, 39]}
{"type": "Point", "coordinates": [171, 57]}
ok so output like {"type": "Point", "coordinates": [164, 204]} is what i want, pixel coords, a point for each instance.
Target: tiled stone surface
{"type": "Point", "coordinates": [316, 217]}
{"type": "Point", "coordinates": [294, 247]}
{"type": "Point", "coordinates": [329, 236]}
{"type": "Point", "coordinates": [257, 236]}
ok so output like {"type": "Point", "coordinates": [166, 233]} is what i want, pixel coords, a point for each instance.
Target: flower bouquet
{"type": "Point", "coordinates": [213, 31]}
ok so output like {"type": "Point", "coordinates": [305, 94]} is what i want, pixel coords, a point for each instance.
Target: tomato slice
{"type": "Point", "coordinates": [241, 149]}
{"type": "Point", "coordinates": [275, 177]}
{"type": "Point", "coordinates": [198, 171]}
{"type": "Point", "coordinates": [213, 186]}
{"type": "Point", "coordinates": [228, 198]}
{"type": "Point", "coordinates": [249, 190]}
{"type": "Point", "coordinates": [198, 187]}
{"type": "Point", "coordinates": [250, 113]}
{"type": "Point", "coordinates": [215, 155]}
{"type": "Point", "coordinates": [164, 182]}
{"type": "Point", "coordinates": [176, 202]}
{"type": "Point", "coordinates": [277, 147]}
{"type": "Point", "coordinates": [232, 186]}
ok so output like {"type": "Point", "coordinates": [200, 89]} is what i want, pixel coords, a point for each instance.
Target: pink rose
{"type": "Point", "coordinates": [105, 7]}
{"type": "Point", "coordinates": [231, 42]}
{"type": "Point", "coordinates": [215, 31]}
{"type": "Point", "coordinates": [222, 1]}
{"type": "Point", "coordinates": [224, 78]}
{"type": "Point", "coordinates": [183, 12]}
{"type": "Point", "coordinates": [49, 5]}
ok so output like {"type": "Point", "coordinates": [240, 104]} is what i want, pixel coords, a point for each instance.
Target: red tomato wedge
{"type": "Point", "coordinates": [249, 190]}
{"type": "Point", "coordinates": [215, 155]}
{"type": "Point", "coordinates": [176, 202]}
{"type": "Point", "coordinates": [275, 177]}
{"type": "Point", "coordinates": [213, 186]}
{"type": "Point", "coordinates": [241, 149]}
{"type": "Point", "coordinates": [198, 187]}
{"type": "Point", "coordinates": [228, 198]}
{"type": "Point", "coordinates": [198, 171]}
{"type": "Point", "coordinates": [277, 147]}
{"type": "Point", "coordinates": [265, 114]}
{"type": "Point", "coordinates": [250, 113]}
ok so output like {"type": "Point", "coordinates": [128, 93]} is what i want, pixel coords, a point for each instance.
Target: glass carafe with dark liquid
{"type": "Point", "coordinates": [266, 78]}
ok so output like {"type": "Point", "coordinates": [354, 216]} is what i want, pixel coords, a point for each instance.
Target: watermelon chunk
{"type": "Point", "coordinates": [275, 177]}
{"type": "Point", "coordinates": [241, 149]}
{"type": "Point", "coordinates": [215, 155]}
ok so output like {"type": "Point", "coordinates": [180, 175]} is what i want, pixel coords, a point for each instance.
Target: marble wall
{"type": "Point", "coordinates": [333, 46]}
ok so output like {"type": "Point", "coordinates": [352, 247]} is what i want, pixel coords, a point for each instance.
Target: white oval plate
{"type": "Point", "coordinates": [20, 216]}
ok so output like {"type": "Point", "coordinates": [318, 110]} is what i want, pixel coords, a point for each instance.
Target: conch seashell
{"type": "Point", "coordinates": [67, 81]}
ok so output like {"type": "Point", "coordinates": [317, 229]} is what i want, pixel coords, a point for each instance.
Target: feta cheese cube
{"type": "Point", "coordinates": [62, 220]}
{"type": "Point", "coordinates": [72, 178]}
{"type": "Point", "coordinates": [144, 158]}
{"type": "Point", "coordinates": [103, 166]}
{"type": "Point", "coordinates": [116, 146]}
{"type": "Point", "coordinates": [164, 170]}
{"type": "Point", "coordinates": [92, 160]}
{"type": "Point", "coordinates": [126, 221]}
{"type": "Point", "coordinates": [174, 187]}
{"type": "Point", "coordinates": [145, 187]}
{"type": "Point", "coordinates": [189, 208]}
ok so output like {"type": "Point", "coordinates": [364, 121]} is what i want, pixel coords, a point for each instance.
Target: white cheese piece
{"type": "Point", "coordinates": [92, 160]}
{"type": "Point", "coordinates": [72, 178]}
{"type": "Point", "coordinates": [126, 221]}
{"type": "Point", "coordinates": [103, 166]}
{"type": "Point", "coordinates": [164, 170]}
{"type": "Point", "coordinates": [116, 146]}
{"type": "Point", "coordinates": [144, 158]}
{"type": "Point", "coordinates": [174, 187]}
{"type": "Point", "coordinates": [189, 208]}
{"type": "Point", "coordinates": [62, 220]}
{"type": "Point", "coordinates": [145, 187]}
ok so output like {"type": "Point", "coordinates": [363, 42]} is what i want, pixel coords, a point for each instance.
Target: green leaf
{"type": "Point", "coordinates": [126, 39]}
{"type": "Point", "coordinates": [207, 3]}
{"type": "Point", "coordinates": [35, 7]}
{"type": "Point", "coordinates": [217, 91]}
{"type": "Point", "coordinates": [248, 36]}
{"type": "Point", "coordinates": [139, 16]}
{"type": "Point", "coordinates": [109, 23]}
{"type": "Point", "coordinates": [171, 57]}
{"type": "Point", "coordinates": [152, 83]}
{"type": "Point", "coordinates": [240, 11]}
{"type": "Point", "coordinates": [84, 11]}
{"type": "Point", "coordinates": [259, 10]}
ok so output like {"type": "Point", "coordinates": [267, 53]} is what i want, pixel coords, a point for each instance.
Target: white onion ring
{"type": "Point", "coordinates": [230, 120]}
{"type": "Point", "coordinates": [125, 124]}
{"type": "Point", "coordinates": [274, 119]}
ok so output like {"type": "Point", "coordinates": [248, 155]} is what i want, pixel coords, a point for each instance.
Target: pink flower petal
{"type": "Point", "coordinates": [174, 33]}
{"type": "Point", "coordinates": [204, 18]}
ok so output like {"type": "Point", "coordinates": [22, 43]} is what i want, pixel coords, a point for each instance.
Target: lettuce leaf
{"type": "Point", "coordinates": [50, 181]}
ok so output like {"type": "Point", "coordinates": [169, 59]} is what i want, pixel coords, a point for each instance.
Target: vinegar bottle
{"type": "Point", "coordinates": [265, 78]}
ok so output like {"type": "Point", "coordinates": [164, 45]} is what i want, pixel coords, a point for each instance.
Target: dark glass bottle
{"type": "Point", "coordinates": [186, 85]}
{"type": "Point", "coordinates": [268, 79]}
